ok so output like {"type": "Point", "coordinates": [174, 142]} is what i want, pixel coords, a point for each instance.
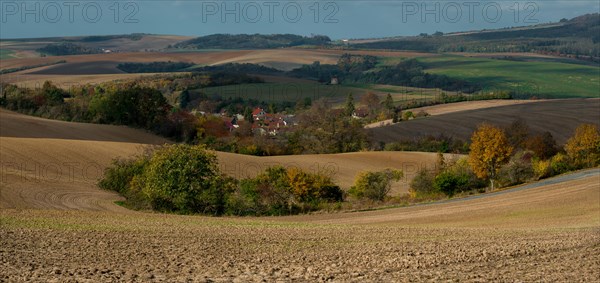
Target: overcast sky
{"type": "Point", "coordinates": [337, 19]}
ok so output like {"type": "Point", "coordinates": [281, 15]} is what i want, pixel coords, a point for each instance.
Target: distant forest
{"type": "Point", "coordinates": [251, 41]}
{"type": "Point", "coordinates": [67, 48]}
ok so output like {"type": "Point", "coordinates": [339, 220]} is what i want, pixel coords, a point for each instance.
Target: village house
{"type": "Point", "coordinates": [360, 113]}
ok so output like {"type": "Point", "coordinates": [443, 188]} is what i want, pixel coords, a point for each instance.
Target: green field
{"type": "Point", "coordinates": [6, 54]}
{"type": "Point", "coordinates": [542, 79]}
{"type": "Point", "coordinates": [334, 94]}
{"type": "Point", "coordinates": [285, 92]}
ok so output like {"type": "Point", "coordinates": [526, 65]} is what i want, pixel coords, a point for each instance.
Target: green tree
{"type": "Point", "coordinates": [186, 179]}
{"type": "Point", "coordinates": [184, 99]}
{"type": "Point", "coordinates": [248, 115]}
{"type": "Point", "coordinates": [53, 94]}
{"type": "Point", "coordinates": [490, 149]}
{"type": "Point", "coordinates": [388, 103]}
{"type": "Point", "coordinates": [349, 109]}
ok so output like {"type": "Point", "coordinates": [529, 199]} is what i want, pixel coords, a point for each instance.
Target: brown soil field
{"type": "Point", "coordinates": [96, 68]}
{"type": "Point", "coordinates": [441, 109]}
{"type": "Point", "coordinates": [56, 226]}
{"type": "Point", "coordinates": [559, 117]}
{"type": "Point", "coordinates": [141, 57]}
{"type": "Point", "coordinates": [83, 68]}
{"type": "Point", "coordinates": [65, 81]}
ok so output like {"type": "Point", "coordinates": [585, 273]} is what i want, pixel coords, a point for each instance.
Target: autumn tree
{"type": "Point", "coordinates": [584, 147]}
{"type": "Point", "coordinates": [543, 146]}
{"type": "Point", "coordinates": [371, 100]}
{"type": "Point", "coordinates": [489, 150]}
{"type": "Point", "coordinates": [517, 133]}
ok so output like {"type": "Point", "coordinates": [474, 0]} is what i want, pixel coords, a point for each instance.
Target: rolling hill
{"type": "Point", "coordinates": [559, 117]}
{"type": "Point", "coordinates": [544, 231]}
{"type": "Point", "coordinates": [62, 153]}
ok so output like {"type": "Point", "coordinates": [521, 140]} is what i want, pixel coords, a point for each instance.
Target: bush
{"type": "Point", "coordinates": [407, 115]}
{"type": "Point", "coordinates": [440, 143]}
{"type": "Point", "coordinates": [183, 178]}
{"type": "Point", "coordinates": [560, 163]}
{"type": "Point", "coordinates": [375, 185]}
{"type": "Point", "coordinates": [450, 182]}
{"type": "Point", "coordinates": [119, 175]}
{"type": "Point", "coordinates": [518, 170]}
{"type": "Point", "coordinates": [281, 191]}
{"type": "Point", "coordinates": [422, 183]}
{"type": "Point", "coordinates": [541, 168]}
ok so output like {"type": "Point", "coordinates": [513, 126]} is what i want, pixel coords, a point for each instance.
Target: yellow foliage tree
{"type": "Point", "coordinates": [584, 147]}
{"type": "Point", "coordinates": [489, 150]}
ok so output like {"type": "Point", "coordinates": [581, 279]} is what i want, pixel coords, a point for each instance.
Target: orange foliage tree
{"type": "Point", "coordinates": [584, 147]}
{"type": "Point", "coordinates": [489, 150]}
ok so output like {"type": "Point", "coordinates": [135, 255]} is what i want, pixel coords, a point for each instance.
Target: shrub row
{"type": "Point", "coordinates": [186, 179]}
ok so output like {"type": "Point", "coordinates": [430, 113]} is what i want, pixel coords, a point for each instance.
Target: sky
{"type": "Point", "coordinates": [342, 19]}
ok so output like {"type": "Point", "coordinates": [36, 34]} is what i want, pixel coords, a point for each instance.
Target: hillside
{"type": "Point", "coordinates": [51, 207]}
{"type": "Point", "coordinates": [545, 231]}
{"type": "Point", "coordinates": [33, 47]}
{"type": "Point", "coordinates": [577, 37]}
{"type": "Point", "coordinates": [559, 117]}
{"type": "Point", "coordinates": [56, 147]}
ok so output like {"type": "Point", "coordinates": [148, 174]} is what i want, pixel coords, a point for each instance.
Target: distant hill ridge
{"type": "Point", "coordinates": [251, 41]}
{"type": "Point", "coordinates": [577, 38]}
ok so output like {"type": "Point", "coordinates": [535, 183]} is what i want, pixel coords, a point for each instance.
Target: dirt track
{"type": "Point", "coordinates": [548, 233]}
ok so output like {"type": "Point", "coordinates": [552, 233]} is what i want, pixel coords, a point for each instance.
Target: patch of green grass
{"type": "Point", "coordinates": [285, 92]}
{"type": "Point", "coordinates": [389, 61]}
{"type": "Point", "coordinates": [6, 54]}
{"type": "Point", "coordinates": [542, 79]}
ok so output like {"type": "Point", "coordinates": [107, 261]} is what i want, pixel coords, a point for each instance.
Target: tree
{"type": "Point", "coordinates": [489, 150]}
{"type": "Point", "coordinates": [388, 103]}
{"type": "Point", "coordinates": [517, 133]}
{"type": "Point", "coordinates": [375, 185]}
{"type": "Point", "coordinates": [584, 147]}
{"type": "Point", "coordinates": [184, 99]}
{"type": "Point", "coordinates": [371, 100]}
{"type": "Point", "coordinates": [248, 115]}
{"type": "Point", "coordinates": [395, 117]}
{"type": "Point", "coordinates": [349, 109]}
{"type": "Point", "coordinates": [53, 94]}
{"type": "Point", "coordinates": [185, 178]}
{"type": "Point", "coordinates": [543, 146]}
